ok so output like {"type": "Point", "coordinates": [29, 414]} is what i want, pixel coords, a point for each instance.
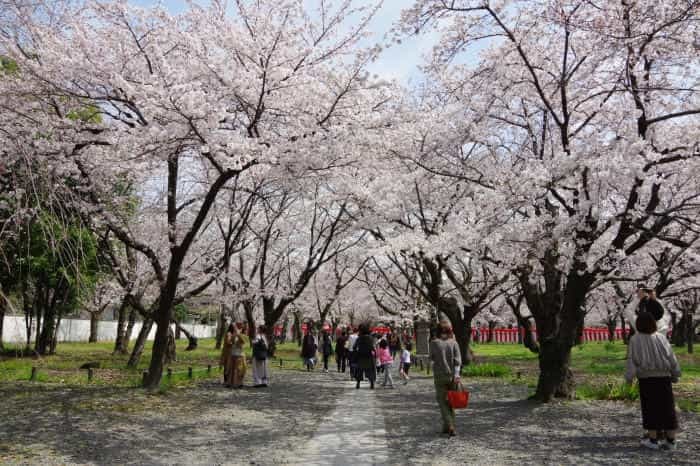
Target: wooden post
{"type": "Point", "coordinates": [89, 374]}
{"type": "Point", "coordinates": [280, 362]}
{"type": "Point", "coordinates": [189, 372]}
{"type": "Point", "coordinates": [208, 368]}
{"type": "Point", "coordinates": [33, 376]}
{"type": "Point", "coordinates": [170, 373]}
{"type": "Point", "coordinates": [145, 376]}
{"type": "Point", "coordinates": [420, 361]}
{"type": "Point", "coordinates": [428, 367]}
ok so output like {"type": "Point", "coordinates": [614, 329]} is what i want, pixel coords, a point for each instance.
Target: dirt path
{"type": "Point", "coordinates": [317, 418]}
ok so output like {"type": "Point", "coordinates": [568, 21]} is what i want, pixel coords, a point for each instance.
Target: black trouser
{"type": "Point", "coordinates": [325, 361]}
{"type": "Point", "coordinates": [341, 359]}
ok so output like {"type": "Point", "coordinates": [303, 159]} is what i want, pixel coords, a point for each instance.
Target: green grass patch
{"type": "Point", "coordinates": [617, 391]}
{"type": "Point", "coordinates": [487, 369]}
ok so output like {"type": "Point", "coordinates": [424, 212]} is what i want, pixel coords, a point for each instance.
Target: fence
{"type": "Point", "coordinates": [14, 330]}
{"type": "Point", "coordinates": [510, 335]}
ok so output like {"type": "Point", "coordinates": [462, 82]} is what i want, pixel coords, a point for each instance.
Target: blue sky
{"type": "Point", "coordinates": [399, 62]}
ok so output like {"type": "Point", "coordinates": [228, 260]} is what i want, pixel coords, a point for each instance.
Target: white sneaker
{"type": "Point", "coordinates": [649, 443]}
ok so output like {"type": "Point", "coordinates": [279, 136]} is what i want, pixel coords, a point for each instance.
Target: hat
{"type": "Point", "coordinates": [443, 318]}
{"type": "Point", "coordinates": [642, 286]}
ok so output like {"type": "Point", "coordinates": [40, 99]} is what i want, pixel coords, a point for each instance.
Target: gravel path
{"type": "Point", "coordinates": [318, 418]}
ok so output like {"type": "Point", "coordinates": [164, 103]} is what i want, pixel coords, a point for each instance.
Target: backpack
{"type": "Point", "coordinates": [260, 350]}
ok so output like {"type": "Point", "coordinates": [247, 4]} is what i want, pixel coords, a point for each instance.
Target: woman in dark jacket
{"type": "Point", "coordinates": [308, 350]}
{"type": "Point", "coordinates": [364, 349]}
{"type": "Point", "coordinates": [326, 349]}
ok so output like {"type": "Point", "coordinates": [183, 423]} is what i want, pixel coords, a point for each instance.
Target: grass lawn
{"type": "Point", "coordinates": [598, 369]}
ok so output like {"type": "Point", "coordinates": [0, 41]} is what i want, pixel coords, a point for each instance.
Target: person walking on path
{"type": "Point", "coordinates": [387, 361]}
{"type": "Point", "coordinates": [394, 345]}
{"type": "Point", "coordinates": [651, 360]}
{"type": "Point", "coordinates": [326, 349]}
{"type": "Point", "coordinates": [261, 376]}
{"type": "Point", "coordinates": [405, 363]}
{"type": "Point", "coordinates": [365, 355]}
{"type": "Point", "coordinates": [447, 362]}
{"type": "Point", "coordinates": [341, 351]}
{"type": "Point", "coordinates": [237, 358]}
{"type": "Point", "coordinates": [308, 350]}
{"type": "Point", "coordinates": [225, 360]}
{"type": "Point", "coordinates": [352, 356]}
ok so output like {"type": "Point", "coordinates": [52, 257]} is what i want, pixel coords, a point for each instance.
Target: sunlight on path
{"type": "Point", "coordinates": [353, 433]}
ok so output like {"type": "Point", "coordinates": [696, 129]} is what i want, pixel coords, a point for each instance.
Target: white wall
{"type": "Point", "coordinates": [79, 330]}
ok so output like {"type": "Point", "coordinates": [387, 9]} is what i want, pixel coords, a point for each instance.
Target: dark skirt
{"type": "Point", "coordinates": [658, 405]}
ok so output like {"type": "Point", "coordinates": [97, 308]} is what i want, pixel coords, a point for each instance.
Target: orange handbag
{"type": "Point", "coordinates": [459, 398]}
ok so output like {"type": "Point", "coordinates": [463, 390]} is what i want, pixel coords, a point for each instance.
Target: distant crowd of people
{"type": "Point", "coordinates": [364, 355]}
{"type": "Point", "coordinates": [361, 353]}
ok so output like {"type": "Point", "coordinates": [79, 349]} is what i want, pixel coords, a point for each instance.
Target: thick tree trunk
{"type": "Point", "coordinates": [623, 326]}
{"type": "Point", "coordinates": [556, 378]}
{"type": "Point", "coordinates": [558, 312]}
{"type": "Point", "coordinates": [46, 335]}
{"type": "Point", "coordinates": [492, 327]}
{"type": "Point", "coordinates": [463, 335]}
{"type": "Point", "coordinates": [249, 308]}
{"type": "Point", "coordinates": [140, 343]}
{"type": "Point", "coordinates": [95, 318]}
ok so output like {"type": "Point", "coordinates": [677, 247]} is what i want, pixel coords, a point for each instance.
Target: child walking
{"type": "Point", "coordinates": [405, 363]}
{"type": "Point", "coordinates": [651, 359]}
{"type": "Point", "coordinates": [386, 361]}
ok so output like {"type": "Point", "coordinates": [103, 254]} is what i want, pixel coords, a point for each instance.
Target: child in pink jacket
{"type": "Point", "coordinates": [386, 361]}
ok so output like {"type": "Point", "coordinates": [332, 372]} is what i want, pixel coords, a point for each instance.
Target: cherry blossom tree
{"type": "Point", "coordinates": [191, 103]}
{"type": "Point", "coordinates": [586, 112]}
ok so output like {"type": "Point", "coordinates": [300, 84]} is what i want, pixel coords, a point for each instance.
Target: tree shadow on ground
{"type": "Point", "coordinates": [205, 424]}
{"type": "Point", "coordinates": [502, 427]}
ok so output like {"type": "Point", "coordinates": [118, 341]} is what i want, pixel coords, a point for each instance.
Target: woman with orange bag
{"type": "Point", "coordinates": [447, 362]}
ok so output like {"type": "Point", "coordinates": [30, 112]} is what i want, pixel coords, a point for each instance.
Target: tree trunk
{"type": "Point", "coordinates": [249, 307]}
{"type": "Point", "coordinates": [623, 326]}
{"type": "Point", "coordinates": [612, 325]}
{"type": "Point", "coordinates": [130, 327]}
{"type": "Point", "coordinates": [556, 378]}
{"type": "Point", "coordinates": [94, 323]}
{"type": "Point", "coordinates": [492, 327]}
{"type": "Point", "coordinates": [558, 313]}
{"type": "Point", "coordinates": [220, 326]}
{"type": "Point", "coordinates": [528, 339]}
{"type": "Point", "coordinates": [3, 306]}
{"type": "Point", "coordinates": [120, 342]}
{"type": "Point", "coordinates": [171, 352]}
{"type": "Point", "coordinates": [297, 328]}
{"type": "Point", "coordinates": [137, 351]}
{"type": "Point", "coordinates": [46, 335]}
{"type": "Point", "coordinates": [463, 335]}
{"type": "Point", "coordinates": [689, 329]}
